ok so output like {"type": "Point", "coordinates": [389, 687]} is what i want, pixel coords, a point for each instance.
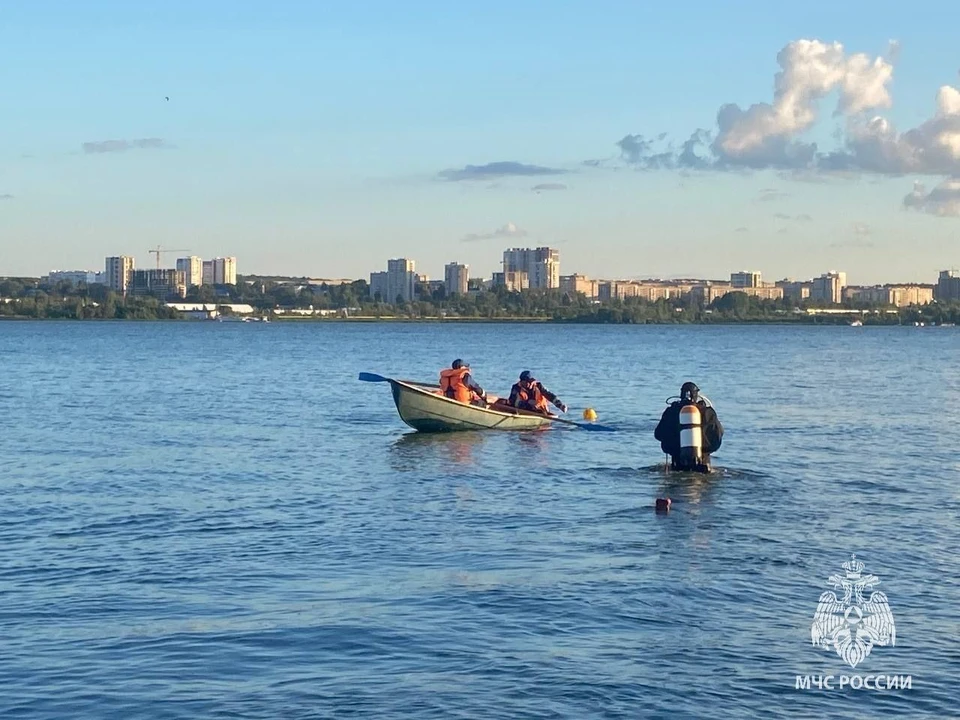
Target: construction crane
{"type": "Point", "coordinates": [161, 250]}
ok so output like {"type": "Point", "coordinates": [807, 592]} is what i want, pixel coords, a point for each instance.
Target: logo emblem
{"type": "Point", "coordinates": [853, 625]}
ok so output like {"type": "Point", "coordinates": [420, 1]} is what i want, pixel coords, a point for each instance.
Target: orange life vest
{"type": "Point", "coordinates": [451, 384]}
{"type": "Point", "coordinates": [533, 397]}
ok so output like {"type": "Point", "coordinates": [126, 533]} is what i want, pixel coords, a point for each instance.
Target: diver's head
{"type": "Point", "coordinates": [526, 377]}
{"type": "Point", "coordinates": [689, 391]}
{"type": "Point", "coordinates": [458, 363]}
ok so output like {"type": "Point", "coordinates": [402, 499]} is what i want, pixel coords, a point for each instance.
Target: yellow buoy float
{"type": "Point", "coordinates": [589, 414]}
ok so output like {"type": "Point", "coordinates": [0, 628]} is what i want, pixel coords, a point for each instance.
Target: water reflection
{"type": "Point", "coordinates": [691, 488]}
{"type": "Point", "coordinates": [412, 450]}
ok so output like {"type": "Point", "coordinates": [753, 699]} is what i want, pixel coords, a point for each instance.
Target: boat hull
{"type": "Point", "coordinates": [427, 411]}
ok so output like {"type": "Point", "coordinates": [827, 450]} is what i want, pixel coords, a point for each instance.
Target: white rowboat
{"type": "Point", "coordinates": [423, 408]}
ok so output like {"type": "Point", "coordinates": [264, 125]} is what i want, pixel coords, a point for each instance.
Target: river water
{"type": "Point", "coordinates": [210, 520]}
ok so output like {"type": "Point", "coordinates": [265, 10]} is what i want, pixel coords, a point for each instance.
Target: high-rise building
{"type": "Point", "coordinates": [948, 286]}
{"type": "Point", "coordinates": [192, 268]}
{"type": "Point", "coordinates": [542, 265]}
{"type": "Point", "coordinates": [161, 283]}
{"type": "Point", "coordinates": [224, 271]}
{"type": "Point", "coordinates": [399, 281]}
{"type": "Point", "coordinates": [119, 272]}
{"type": "Point", "coordinates": [829, 287]}
{"type": "Point", "coordinates": [456, 278]}
{"type": "Point", "coordinates": [206, 272]}
{"type": "Point", "coordinates": [745, 279]}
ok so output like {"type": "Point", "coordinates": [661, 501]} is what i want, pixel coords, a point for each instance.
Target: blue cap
{"type": "Point", "coordinates": [525, 376]}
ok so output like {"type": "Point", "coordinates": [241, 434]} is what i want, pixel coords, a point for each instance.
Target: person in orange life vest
{"type": "Point", "coordinates": [529, 394]}
{"type": "Point", "coordinates": [457, 384]}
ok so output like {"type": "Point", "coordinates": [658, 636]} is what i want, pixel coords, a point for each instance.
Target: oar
{"type": "Point", "coordinates": [553, 418]}
{"type": "Point", "coordinates": [373, 377]}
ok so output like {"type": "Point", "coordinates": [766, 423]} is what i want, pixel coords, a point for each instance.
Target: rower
{"type": "Point", "coordinates": [689, 431]}
{"type": "Point", "coordinates": [529, 394]}
{"type": "Point", "coordinates": [457, 384]}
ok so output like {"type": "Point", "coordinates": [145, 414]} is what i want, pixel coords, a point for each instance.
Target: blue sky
{"type": "Point", "coordinates": [308, 138]}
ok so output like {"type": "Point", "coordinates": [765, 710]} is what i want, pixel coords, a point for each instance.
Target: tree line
{"type": "Point", "coordinates": [98, 302]}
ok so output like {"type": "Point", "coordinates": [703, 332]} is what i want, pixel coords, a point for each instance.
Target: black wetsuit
{"type": "Point", "coordinates": [668, 433]}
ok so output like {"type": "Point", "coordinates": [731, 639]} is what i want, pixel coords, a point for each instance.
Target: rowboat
{"type": "Point", "coordinates": [424, 408]}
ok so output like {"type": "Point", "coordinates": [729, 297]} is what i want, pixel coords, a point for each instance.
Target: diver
{"type": "Point", "coordinates": [457, 384]}
{"type": "Point", "coordinates": [689, 431]}
{"type": "Point", "coordinates": [529, 394]}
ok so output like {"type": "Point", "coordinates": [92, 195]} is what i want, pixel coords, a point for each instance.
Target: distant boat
{"type": "Point", "coordinates": [856, 323]}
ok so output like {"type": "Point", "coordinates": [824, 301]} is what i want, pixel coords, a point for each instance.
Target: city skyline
{"type": "Point", "coordinates": [524, 269]}
{"type": "Point", "coordinates": [222, 270]}
{"type": "Point", "coordinates": [796, 147]}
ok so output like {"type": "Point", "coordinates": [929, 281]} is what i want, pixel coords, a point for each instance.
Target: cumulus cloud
{"type": "Point", "coordinates": [510, 230]}
{"type": "Point", "coordinates": [770, 134]}
{"type": "Point", "coordinates": [108, 146]}
{"type": "Point", "coordinates": [655, 154]}
{"type": "Point", "coordinates": [932, 148]}
{"type": "Point", "coordinates": [6, 196]}
{"type": "Point", "coordinates": [943, 200]}
{"type": "Point", "coordinates": [741, 229]}
{"type": "Point", "coordinates": [803, 217]}
{"type": "Point", "coordinates": [782, 216]}
{"type": "Point", "coordinates": [764, 135]}
{"type": "Point", "coordinates": [496, 170]}
{"type": "Point", "coordinates": [549, 186]}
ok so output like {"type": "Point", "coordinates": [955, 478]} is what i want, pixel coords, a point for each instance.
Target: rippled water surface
{"type": "Point", "coordinates": [204, 520]}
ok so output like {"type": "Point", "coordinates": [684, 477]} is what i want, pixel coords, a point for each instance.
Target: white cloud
{"type": "Point", "coordinates": [510, 230]}
{"type": "Point", "coordinates": [943, 200]}
{"type": "Point", "coordinates": [932, 148]}
{"type": "Point", "coordinates": [771, 134]}
{"type": "Point", "coordinates": [763, 134]}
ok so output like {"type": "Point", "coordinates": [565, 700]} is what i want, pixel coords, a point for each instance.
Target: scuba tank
{"type": "Point", "coordinates": [691, 435]}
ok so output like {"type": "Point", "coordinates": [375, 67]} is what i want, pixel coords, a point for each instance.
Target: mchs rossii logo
{"type": "Point", "coordinates": [852, 623]}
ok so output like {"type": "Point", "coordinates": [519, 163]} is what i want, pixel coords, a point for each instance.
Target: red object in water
{"type": "Point", "coordinates": [663, 504]}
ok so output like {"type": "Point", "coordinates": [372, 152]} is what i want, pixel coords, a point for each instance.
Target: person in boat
{"type": "Point", "coordinates": [529, 394]}
{"type": "Point", "coordinates": [689, 431]}
{"type": "Point", "coordinates": [457, 384]}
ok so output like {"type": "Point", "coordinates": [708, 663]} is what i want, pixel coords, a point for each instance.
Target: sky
{"type": "Point", "coordinates": [640, 140]}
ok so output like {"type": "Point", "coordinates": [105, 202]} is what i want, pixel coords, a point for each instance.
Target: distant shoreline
{"type": "Point", "coordinates": [805, 320]}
